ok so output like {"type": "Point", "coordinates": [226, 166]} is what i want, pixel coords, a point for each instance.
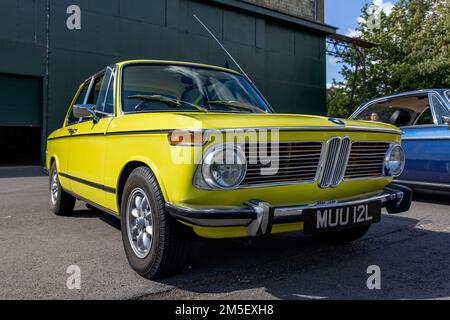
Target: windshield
{"type": "Point", "coordinates": [393, 115]}
{"type": "Point", "coordinates": [401, 111]}
{"type": "Point", "coordinates": [160, 88]}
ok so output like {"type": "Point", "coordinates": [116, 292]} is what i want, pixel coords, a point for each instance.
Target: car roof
{"type": "Point", "coordinates": [164, 62]}
{"type": "Point", "coordinates": [174, 62]}
{"type": "Point", "coordinates": [408, 93]}
{"type": "Point", "coordinates": [403, 94]}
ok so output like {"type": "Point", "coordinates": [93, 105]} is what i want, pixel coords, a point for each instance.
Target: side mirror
{"type": "Point", "coordinates": [446, 120]}
{"type": "Point", "coordinates": [85, 111]}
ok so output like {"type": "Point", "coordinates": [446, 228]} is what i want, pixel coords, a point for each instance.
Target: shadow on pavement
{"type": "Point", "coordinates": [92, 213]}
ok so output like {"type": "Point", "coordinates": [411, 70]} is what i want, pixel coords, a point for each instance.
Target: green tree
{"type": "Point", "coordinates": [413, 53]}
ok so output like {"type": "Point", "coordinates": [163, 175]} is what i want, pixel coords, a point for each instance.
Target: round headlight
{"type": "Point", "coordinates": [224, 167]}
{"type": "Point", "coordinates": [394, 161]}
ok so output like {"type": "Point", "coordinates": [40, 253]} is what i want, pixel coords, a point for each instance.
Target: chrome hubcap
{"type": "Point", "coordinates": [139, 223]}
{"type": "Point", "coordinates": [54, 188]}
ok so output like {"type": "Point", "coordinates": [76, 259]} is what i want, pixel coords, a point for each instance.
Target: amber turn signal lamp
{"type": "Point", "coordinates": [187, 138]}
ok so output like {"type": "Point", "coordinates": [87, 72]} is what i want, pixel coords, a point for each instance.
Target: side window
{"type": "Point", "coordinates": [95, 91]}
{"type": "Point", "coordinates": [439, 109]}
{"type": "Point", "coordinates": [80, 100]}
{"type": "Point", "coordinates": [105, 98]}
{"type": "Point", "coordinates": [425, 118]}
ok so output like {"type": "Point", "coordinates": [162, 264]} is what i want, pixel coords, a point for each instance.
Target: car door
{"type": "Point", "coordinates": [70, 125]}
{"type": "Point", "coordinates": [427, 146]}
{"type": "Point", "coordinates": [87, 144]}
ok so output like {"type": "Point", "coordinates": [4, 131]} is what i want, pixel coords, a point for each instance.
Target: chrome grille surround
{"type": "Point", "coordinates": [334, 162]}
{"type": "Point", "coordinates": [342, 159]}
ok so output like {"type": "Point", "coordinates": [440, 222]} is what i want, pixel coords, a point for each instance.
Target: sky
{"type": "Point", "coordinates": [344, 15]}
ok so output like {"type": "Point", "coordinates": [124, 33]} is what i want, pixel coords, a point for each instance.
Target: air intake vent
{"type": "Point", "coordinates": [334, 165]}
{"type": "Point", "coordinates": [366, 160]}
{"type": "Point", "coordinates": [298, 163]}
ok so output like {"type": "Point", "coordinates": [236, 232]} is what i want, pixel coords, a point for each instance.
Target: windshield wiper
{"type": "Point", "coordinates": [237, 104]}
{"type": "Point", "coordinates": [171, 102]}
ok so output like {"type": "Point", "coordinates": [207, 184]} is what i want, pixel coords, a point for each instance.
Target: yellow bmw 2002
{"type": "Point", "coordinates": [171, 147]}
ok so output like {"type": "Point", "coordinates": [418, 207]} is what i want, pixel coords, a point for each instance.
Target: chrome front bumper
{"type": "Point", "coordinates": [259, 216]}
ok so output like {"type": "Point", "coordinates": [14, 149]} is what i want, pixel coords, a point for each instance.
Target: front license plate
{"type": "Point", "coordinates": [340, 218]}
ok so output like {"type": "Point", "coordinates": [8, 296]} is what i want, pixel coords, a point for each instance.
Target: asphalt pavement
{"type": "Point", "coordinates": [412, 251]}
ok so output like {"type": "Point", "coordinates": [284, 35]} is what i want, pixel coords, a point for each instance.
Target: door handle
{"type": "Point", "coordinates": [72, 131]}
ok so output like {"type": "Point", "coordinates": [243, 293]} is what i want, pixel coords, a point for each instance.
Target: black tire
{"type": "Point", "coordinates": [62, 203]}
{"type": "Point", "coordinates": [342, 237]}
{"type": "Point", "coordinates": [167, 251]}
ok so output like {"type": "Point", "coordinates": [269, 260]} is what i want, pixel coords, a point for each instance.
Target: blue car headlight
{"type": "Point", "coordinates": [394, 161]}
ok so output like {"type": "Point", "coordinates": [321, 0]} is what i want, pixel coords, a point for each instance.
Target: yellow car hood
{"type": "Point", "coordinates": [201, 121]}
{"type": "Point", "coordinates": [254, 120]}
{"type": "Point", "coordinates": [189, 120]}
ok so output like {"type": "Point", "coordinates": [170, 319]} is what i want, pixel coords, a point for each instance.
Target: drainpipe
{"type": "Point", "coordinates": [45, 104]}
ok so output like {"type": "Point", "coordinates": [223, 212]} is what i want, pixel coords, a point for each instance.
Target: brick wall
{"type": "Point", "coordinates": [309, 9]}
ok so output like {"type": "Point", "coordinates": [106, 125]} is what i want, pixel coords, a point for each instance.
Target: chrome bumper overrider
{"type": "Point", "coordinates": [259, 216]}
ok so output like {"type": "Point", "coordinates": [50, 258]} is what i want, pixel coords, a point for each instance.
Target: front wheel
{"type": "Point", "coordinates": [342, 237]}
{"type": "Point", "coordinates": [154, 242]}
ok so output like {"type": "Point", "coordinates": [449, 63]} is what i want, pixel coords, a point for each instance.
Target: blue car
{"type": "Point", "coordinates": [424, 117]}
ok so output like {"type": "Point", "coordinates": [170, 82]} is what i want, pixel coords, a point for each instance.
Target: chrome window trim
{"type": "Point", "coordinates": [438, 97]}
{"type": "Point", "coordinates": [88, 92]}
{"type": "Point", "coordinates": [91, 85]}
{"type": "Point", "coordinates": [447, 95]}
{"type": "Point", "coordinates": [433, 110]}
{"type": "Point", "coordinates": [111, 80]}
